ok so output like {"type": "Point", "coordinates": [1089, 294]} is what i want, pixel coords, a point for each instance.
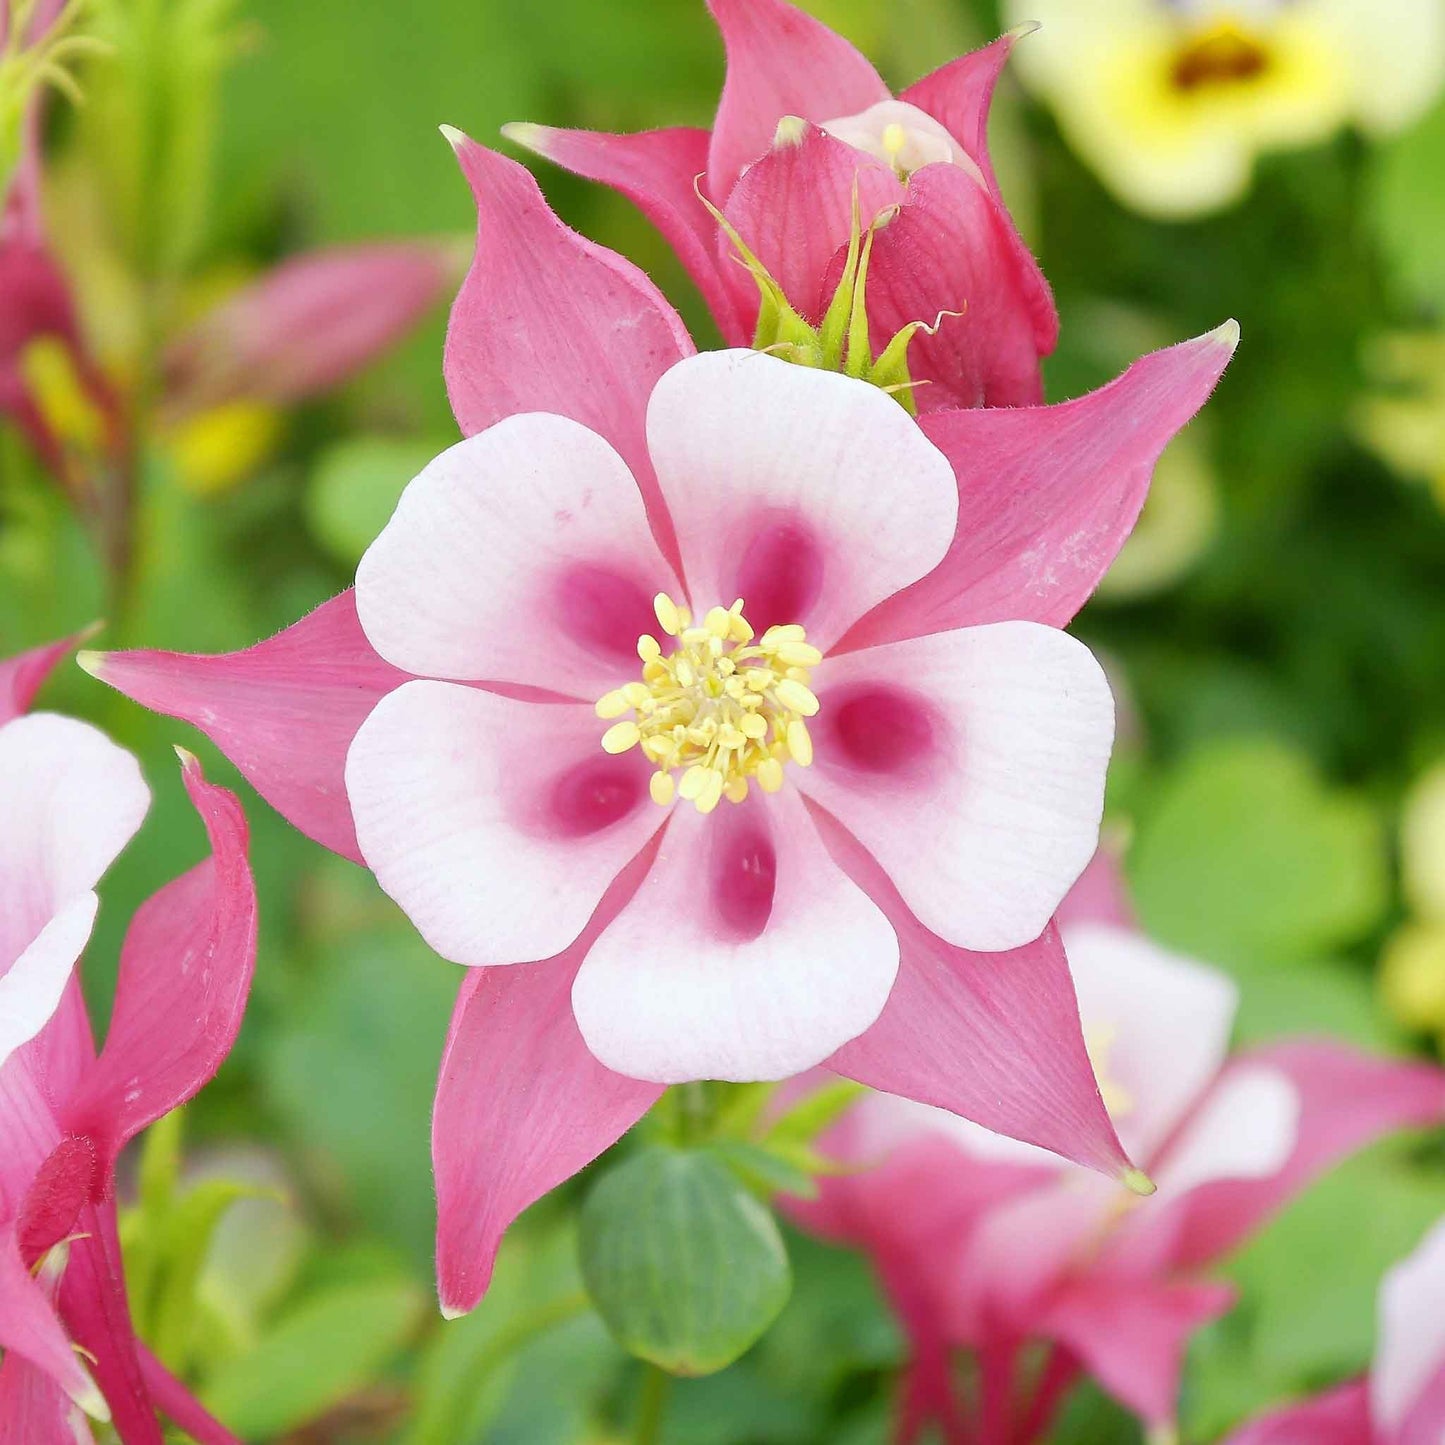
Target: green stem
{"type": "Point", "coordinates": [652, 1405]}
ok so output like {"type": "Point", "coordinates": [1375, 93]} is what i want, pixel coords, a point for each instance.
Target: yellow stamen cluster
{"type": "Point", "coordinates": [722, 708]}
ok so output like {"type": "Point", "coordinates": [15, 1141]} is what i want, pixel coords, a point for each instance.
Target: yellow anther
{"type": "Point", "coordinates": [800, 743]}
{"type": "Point", "coordinates": [796, 698]}
{"type": "Point", "coordinates": [621, 736]}
{"type": "Point", "coordinates": [722, 708]}
{"type": "Point", "coordinates": [669, 615]}
{"type": "Point", "coordinates": [895, 137]}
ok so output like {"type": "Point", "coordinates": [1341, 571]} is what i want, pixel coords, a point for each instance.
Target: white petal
{"type": "Point", "coordinates": [497, 825]}
{"type": "Point", "coordinates": [521, 555]}
{"type": "Point", "coordinates": [971, 765]}
{"type": "Point", "coordinates": [809, 495]}
{"type": "Point", "coordinates": [1245, 1129]}
{"type": "Point", "coordinates": [1157, 1026]}
{"type": "Point", "coordinates": [746, 954]}
{"type": "Point", "coordinates": [1411, 1345]}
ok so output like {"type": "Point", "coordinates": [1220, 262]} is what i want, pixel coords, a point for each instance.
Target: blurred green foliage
{"type": "Point", "coordinates": [1285, 689]}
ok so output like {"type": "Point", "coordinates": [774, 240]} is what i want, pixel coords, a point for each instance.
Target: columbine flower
{"type": "Point", "coordinates": [1403, 1401]}
{"type": "Point", "coordinates": [70, 800]}
{"type": "Point", "coordinates": [66, 1113]}
{"type": "Point", "coordinates": [985, 1243]}
{"type": "Point", "coordinates": [806, 133]}
{"type": "Point", "coordinates": [1171, 100]}
{"type": "Point", "coordinates": [613, 480]}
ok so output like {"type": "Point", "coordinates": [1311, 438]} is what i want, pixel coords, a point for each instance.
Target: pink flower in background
{"type": "Point", "coordinates": [65, 1112]}
{"type": "Point", "coordinates": [1403, 1401]}
{"type": "Point", "coordinates": [986, 1243]}
{"type": "Point", "coordinates": [480, 791]}
{"type": "Point", "coordinates": [947, 251]}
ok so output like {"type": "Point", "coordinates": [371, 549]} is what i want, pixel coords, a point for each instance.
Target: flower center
{"type": "Point", "coordinates": [723, 707]}
{"type": "Point", "coordinates": [902, 137]}
{"type": "Point", "coordinates": [1222, 55]}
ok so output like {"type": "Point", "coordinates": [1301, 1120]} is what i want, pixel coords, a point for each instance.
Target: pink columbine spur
{"type": "Point", "coordinates": [69, 799]}
{"type": "Point", "coordinates": [897, 755]}
{"type": "Point", "coordinates": [985, 1243]}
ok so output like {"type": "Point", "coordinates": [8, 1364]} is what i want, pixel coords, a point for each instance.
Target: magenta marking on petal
{"type": "Point", "coordinates": [594, 794]}
{"type": "Point", "coordinates": [744, 876]}
{"type": "Point", "coordinates": [604, 610]}
{"type": "Point", "coordinates": [60, 1190]}
{"type": "Point", "coordinates": [780, 574]}
{"type": "Point", "coordinates": [881, 730]}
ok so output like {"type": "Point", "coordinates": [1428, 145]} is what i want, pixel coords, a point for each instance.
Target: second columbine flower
{"type": "Point", "coordinates": [601, 682]}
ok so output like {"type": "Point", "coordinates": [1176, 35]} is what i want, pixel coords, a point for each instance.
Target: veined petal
{"type": "Point", "coordinates": [1131, 1334]}
{"type": "Point", "coordinates": [497, 825]}
{"type": "Point", "coordinates": [992, 1037]}
{"type": "Point", "coordinates": [1339, 1417]}
{"type": "Point", "coordinates": [548, 321]}
{"type": "Point", "coordinates": [521, 555]}
{"type": "Point", "coordinates": [809, 495]}
{"type": "Point", "coordinates": [951, 256]}
{"type": "Point", "coordinates": [70, 800]}
{"type": "Point", "coordinates": [992, 742]}
{"type": "Point", "coordinates": [284, 711]}
{"type": "Point", "coordinates": [1407, 1399]}
{"type": "Point", "coordinates": [21, 676]}
{"type": "Point", "coordinates": [179, 1406]}
{"type": "Point", "coordinates": [185, 976]}
{"type": "Point", "coordinates": [745, 954]}
{"type": "Point", "coordinates": [658, 171]}
{"type": "Point", "coordinates": [1161, 1024]}
{"type": "Point", "coordinates": [521, 1104]}
{"type": "Point", "coordinates": [30, 1327]}
{"type": "Point", "coordinates": [780, 62]}
{"type": "Point", "coordinates": [794, 209]}
{"type": "Point", "coordinates": [1048, 495]}
{"type": "Point", "coordinates": [34, 1409]}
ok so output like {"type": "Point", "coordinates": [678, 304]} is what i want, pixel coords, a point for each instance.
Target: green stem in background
{"type": "Point", "coordinates": [652, 1405]}
{"type": "Point", "coordinates": [526, 1327]}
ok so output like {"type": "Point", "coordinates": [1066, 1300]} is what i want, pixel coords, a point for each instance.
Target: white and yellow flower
{"type": "Point", "coordinates": [1171, 100]}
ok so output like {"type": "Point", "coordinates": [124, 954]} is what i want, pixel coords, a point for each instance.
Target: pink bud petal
{"type": "Point", "coordinates": [521, 1104]}
{"type": "Point", "coordinates": [185, 976]}
{"type": "Point", "coordinates": [781, 62]}
{"type": "Point", "coordinates": [284, 711]}
{"type": "Point", "coordinates": [21, 676]}
{"type": "Point", "coordinates": [1048, 495]}
{"type": "Point", "coordinates": [308, 325]}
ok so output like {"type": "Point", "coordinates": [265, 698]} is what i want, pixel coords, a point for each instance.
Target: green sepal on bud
{"type": "Point", "coordinates": [841, 341]}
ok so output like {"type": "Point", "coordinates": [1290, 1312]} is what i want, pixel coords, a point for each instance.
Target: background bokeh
{"type": "Point", "coordinates": [1276, 630]}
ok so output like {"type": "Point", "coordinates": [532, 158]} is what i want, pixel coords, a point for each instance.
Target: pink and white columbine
{"type": "Point", "coordinates": [441, 723]}
{"type": "Point", "coordinates": [804, 128]}
{"type": "Point", "coordinates": [1403, 1401]}
{"type": "Point", "coordinates": [986, 1243]}
{"type": "Point", "coordinates": [65, 1112]}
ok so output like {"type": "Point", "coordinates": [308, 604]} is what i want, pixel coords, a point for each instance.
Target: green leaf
{"type": "Point", "coordinates": [355, 487]}
{"type": "Point", "coordinates": [814, 1113]}
{"type": "Point", "coordinates": [685, 1266]}
{"type": "Point", "coordinates": [329, 1346]}
{"type": "Point", "coordinates": [1247, 857]}
{"type": "Point", "coordinates": [1410, 205]}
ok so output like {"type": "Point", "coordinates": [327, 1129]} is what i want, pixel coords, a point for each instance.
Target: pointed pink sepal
{"type": "Point", "coordinates": [521, 1103]}
{"type": "Point", "coordinates": [1048, 495]}
{"type": "Point", "coordinates": [284, 711]}
{"type": "Point", "coordinates": [23, 675]}
{"type": "Point", "coordinates": [1341, 1417]}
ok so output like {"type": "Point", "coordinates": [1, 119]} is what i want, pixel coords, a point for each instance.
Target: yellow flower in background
{"type": "Point", "coordinates": [1412, 968]}
{"type": "Point", "coordinates": [1171, 100]}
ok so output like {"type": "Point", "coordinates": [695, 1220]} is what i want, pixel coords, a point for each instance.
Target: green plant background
{"type": "Point", "coordinates": [1285, 690]}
